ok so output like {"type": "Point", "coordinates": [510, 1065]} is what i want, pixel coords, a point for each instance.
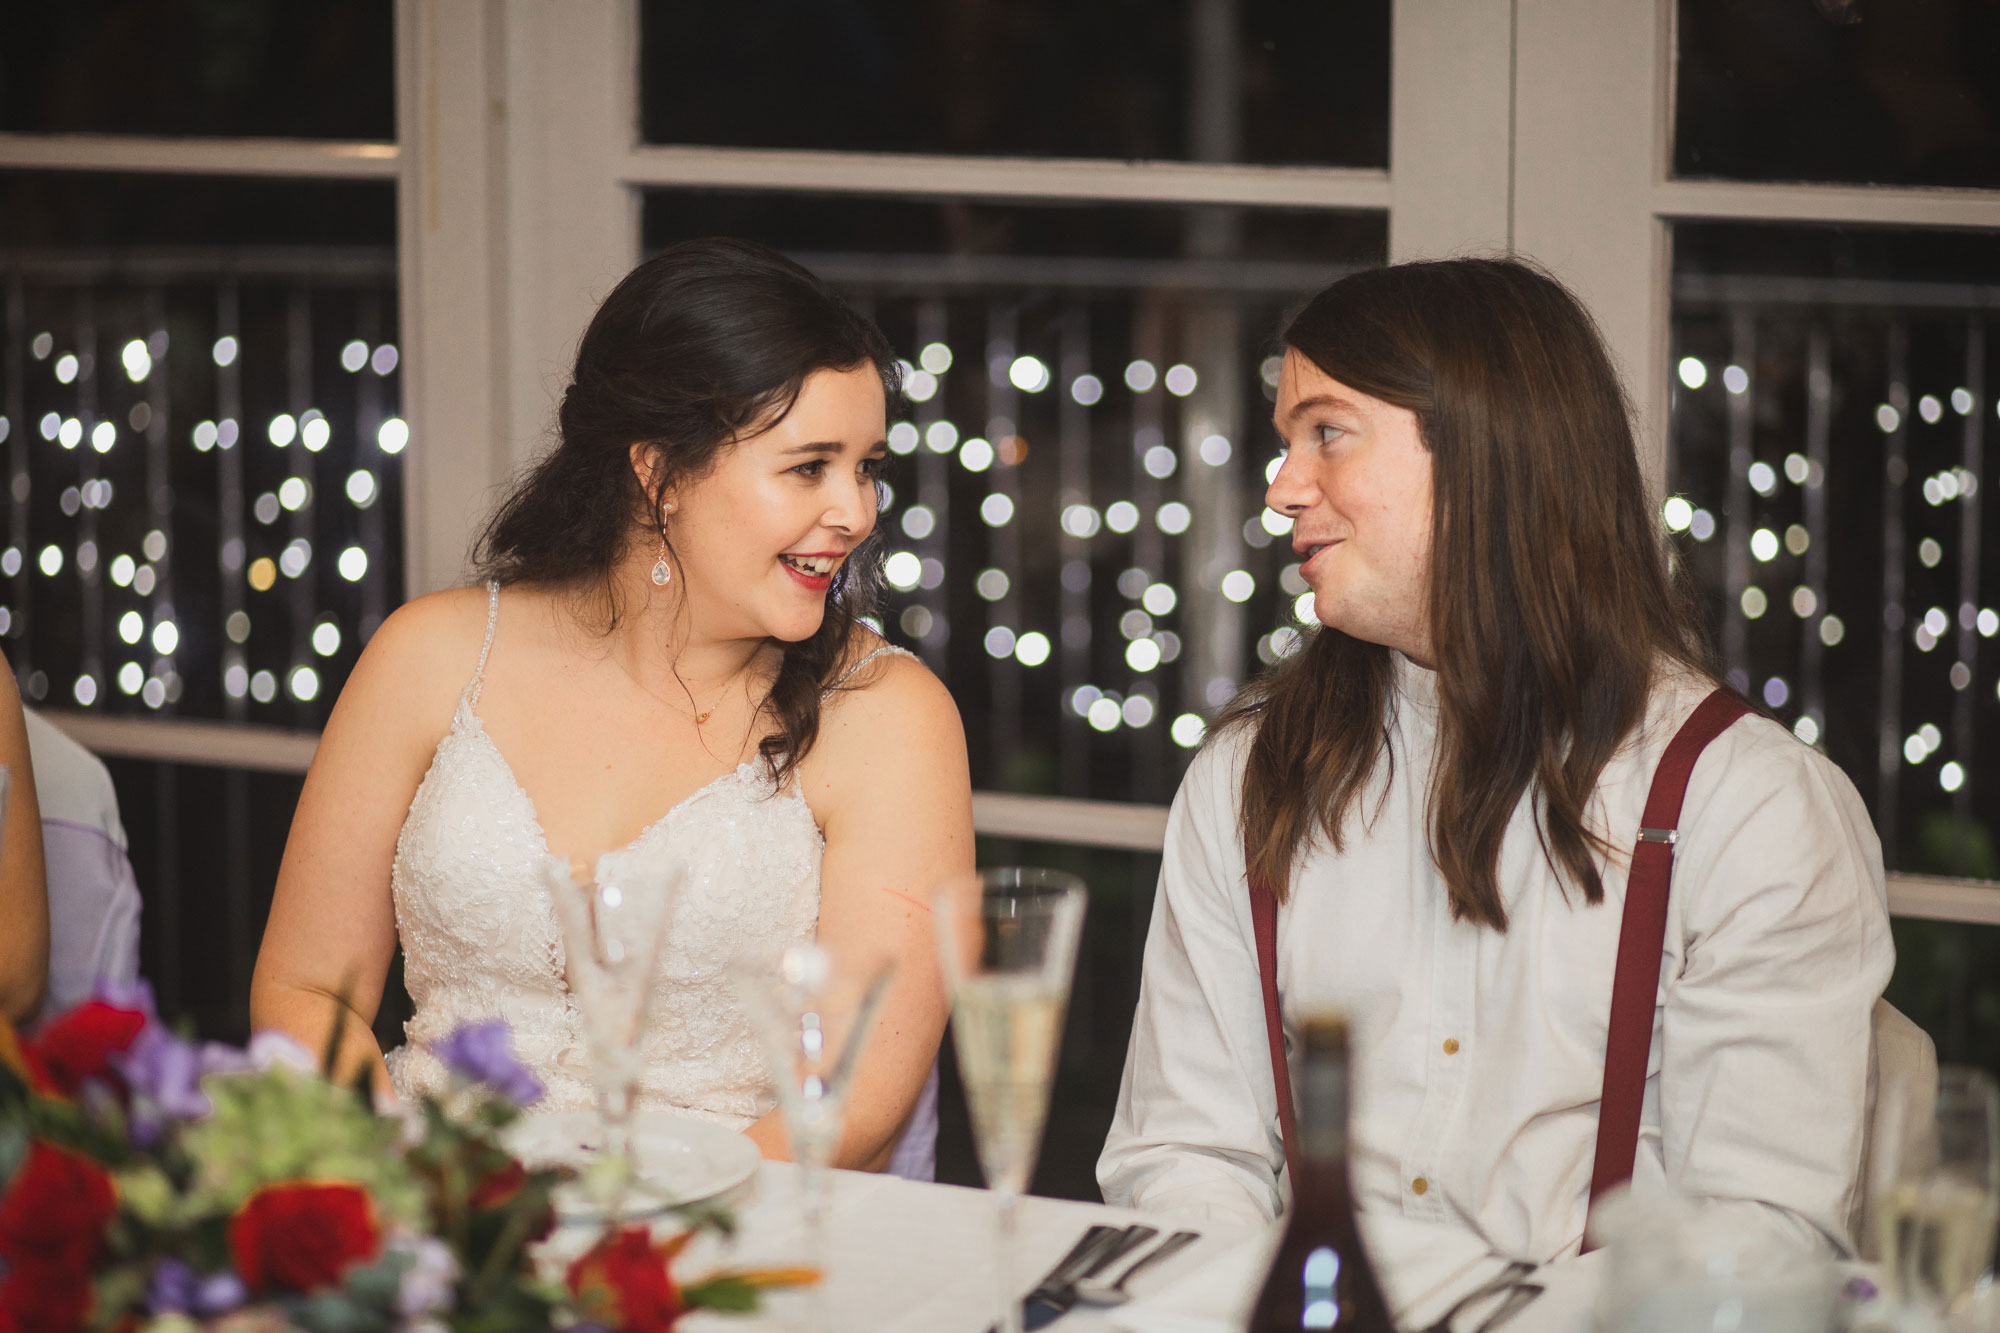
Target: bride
{"type": "Point", "coordinates": [666, 660]}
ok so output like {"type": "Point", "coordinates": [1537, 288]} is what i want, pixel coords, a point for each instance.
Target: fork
{"type": "Point", "coordinates": [1088, 1292]}
{"type": "Point", "coordinates": [1510, 1280]}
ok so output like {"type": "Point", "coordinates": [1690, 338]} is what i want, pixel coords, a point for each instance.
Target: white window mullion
{"type": "Point", "coordinates": [1862, 205]}
{"type": "Point", "coordinates": [449, 256]}
{"type": "Point", "coordinates": [514, 224]}
{"type": "Point", "coordinates": [300, 158]}
{"type": "Point", "coordinates": [1084, 179]}
{"type": "Point", "coordinates": [1591, 123]}
{"type": "Point", "coordinates": [1450, 128]}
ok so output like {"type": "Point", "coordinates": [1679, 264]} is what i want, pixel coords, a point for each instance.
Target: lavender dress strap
{"type": "Point", "coordinates": [915, 1154]}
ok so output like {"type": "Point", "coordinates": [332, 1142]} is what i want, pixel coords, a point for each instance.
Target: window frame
{"type": "Point", "coordinates": [1539, 127]}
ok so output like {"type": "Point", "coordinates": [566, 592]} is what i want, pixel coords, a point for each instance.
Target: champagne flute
{"type": "Point", "coordinates": [614, 924]}
{"type": "Point", "coordinates": [1008, 938]}
{"type": "Point", "coordinates": [814, 1008]}
{"type": "Point", "coordinates": [1937, 1190]}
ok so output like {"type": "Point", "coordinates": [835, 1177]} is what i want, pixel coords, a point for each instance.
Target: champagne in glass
{"type": "Point", "coordinates": [614, 926]}
{"type": "Point", "coordinates": [1937, 1192]}
{"type": "Point", "coordinates": [1009, 939]}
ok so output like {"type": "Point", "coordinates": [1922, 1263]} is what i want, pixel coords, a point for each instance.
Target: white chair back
{"type": "Point", "coordinates": [1902, 1099]}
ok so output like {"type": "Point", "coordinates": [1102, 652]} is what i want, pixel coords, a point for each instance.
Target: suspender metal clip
{"type": "Point", "coordinates": [1666, 835]}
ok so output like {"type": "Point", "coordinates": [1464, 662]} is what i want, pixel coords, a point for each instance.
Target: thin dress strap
{"type": "Point", "coordinates": [492, 622]}
{"type": "Point", "coordinates": [879, 650]}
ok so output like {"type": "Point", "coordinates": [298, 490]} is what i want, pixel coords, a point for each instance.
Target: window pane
{"type": "Point", "coordinates": [1832, 408]}
{"type": "Point", "coordinates": [304, 68]}
{"type": "Point", "coordinates": [202, 446]}
{"type": "Point", "coordinates": [1226, 80]}
{"type": "Point", "coordinates": [1903, 92]}
{"type": "Point", "coordinates": [1074, 519]}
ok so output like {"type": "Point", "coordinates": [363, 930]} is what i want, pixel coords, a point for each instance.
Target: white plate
{"type": "Point", "coordinates": [681, 1159]}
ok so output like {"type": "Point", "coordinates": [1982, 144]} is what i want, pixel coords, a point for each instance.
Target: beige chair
{"type": "Point", "coordinates": [1902, 1096]}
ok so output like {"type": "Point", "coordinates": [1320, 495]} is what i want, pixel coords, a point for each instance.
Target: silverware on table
{"type": "Point", "coordinates": [1088, 1292]}
{"type": "Point", "coordinates": [1044, 1307]}
{"type": "Point", "coordinates": [1518, 1292]}
{"type": "Point", "coordinates": [1093, 1241]}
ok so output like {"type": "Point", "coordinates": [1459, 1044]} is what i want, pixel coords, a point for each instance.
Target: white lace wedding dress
{"type": "Point", "coordinates": [481, 941]}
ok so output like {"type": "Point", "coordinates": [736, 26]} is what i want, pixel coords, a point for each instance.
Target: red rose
{"type": "Point", "coordinates": [45, 1299]}
{"type": "Point", "coordinates": [56, 1209]}
{"type": "Point", "coordinates": [79, 1044]}
{"type": "Point", "coordinates": [499, 1187]}
{"type": "Point", "coordinates": [52, 1222]}
{"type": "Point", "coordinates": [623, 1282]}
{"type": "Point", "coordinates": [303, 1236]}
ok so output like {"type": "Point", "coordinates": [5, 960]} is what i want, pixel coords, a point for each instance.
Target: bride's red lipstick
{"type": "Point", "coordinates": [815, 582]}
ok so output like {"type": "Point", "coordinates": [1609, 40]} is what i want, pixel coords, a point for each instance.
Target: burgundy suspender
{"type": "Point", "coordinates": [1635, 984]}
{"type": "Point", "coordinates": [1264, 924]}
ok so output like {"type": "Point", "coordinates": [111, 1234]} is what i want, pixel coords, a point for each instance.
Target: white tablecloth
{"type": "Point", "coordinates": [911, 1258]}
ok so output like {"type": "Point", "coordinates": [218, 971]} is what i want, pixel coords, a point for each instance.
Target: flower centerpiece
{"type": "Point", "coordinates": [153, 1184]}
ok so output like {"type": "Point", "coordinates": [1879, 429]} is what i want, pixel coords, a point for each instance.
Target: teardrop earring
{"type": "Point", "coordinates": [663, 573]}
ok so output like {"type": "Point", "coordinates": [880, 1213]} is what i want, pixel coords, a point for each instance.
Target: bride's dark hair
{"type": "Point", "coordinates": [706, 343]}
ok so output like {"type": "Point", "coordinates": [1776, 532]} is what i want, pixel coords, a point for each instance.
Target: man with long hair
{"type": "Point", "coordinates": [1443, 791]}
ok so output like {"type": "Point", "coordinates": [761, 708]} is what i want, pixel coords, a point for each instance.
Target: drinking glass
{"type": "Point", "coordinates": [614, 924]}
{"type": "Point", "coordinates": [1936, 1190]}
{"type": "Point", "coordinates": [814, 1008]}
{"type": "Point", "coordinates": [1008, 939]}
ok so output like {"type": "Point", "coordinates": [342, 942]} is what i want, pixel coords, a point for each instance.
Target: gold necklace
{"type": "Point", "coordinates": [705, 714]}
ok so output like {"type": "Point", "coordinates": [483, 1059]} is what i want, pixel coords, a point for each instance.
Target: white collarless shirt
{"type": "Point", "coordinates": [1479, 1055]}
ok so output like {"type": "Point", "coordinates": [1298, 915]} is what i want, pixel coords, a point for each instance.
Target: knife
{"type": "Point", "coordinates": [1066, 1268]}
{"type": "Point", "coordinates": [1051, 1301]}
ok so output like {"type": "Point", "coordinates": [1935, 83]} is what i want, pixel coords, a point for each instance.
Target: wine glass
{"type": "Point", "coordinates": [814, 1008]}
{"type": "Point", "coordinates": [1008, 938]}
{"type": "Point", "coordinates": [1936, 1189]}
{"type": "Point", "coordinates": [614, 924]}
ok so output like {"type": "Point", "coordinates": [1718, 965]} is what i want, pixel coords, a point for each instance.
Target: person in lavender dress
{"type": "Point", "coordinates": [24, 899]}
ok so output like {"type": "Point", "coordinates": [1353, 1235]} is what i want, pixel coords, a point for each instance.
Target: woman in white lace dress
{"type": "Point", "coordinates": [666, 661]}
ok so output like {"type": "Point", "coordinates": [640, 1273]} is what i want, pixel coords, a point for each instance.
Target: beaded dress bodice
{"type": "Point", "coordinates": [481, 940]}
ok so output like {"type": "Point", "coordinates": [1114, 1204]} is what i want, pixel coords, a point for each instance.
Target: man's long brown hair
{"type": "Point", "coordinates": [1551, 604]}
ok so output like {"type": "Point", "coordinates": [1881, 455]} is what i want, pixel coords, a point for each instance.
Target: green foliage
{"type": "Point", "coordinates": [732, 1294]}
{"type": "Point", "coordinates": [283, 1125]}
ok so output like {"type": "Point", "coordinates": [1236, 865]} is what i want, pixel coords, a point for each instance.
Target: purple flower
{"type": "Point", "coordinates": [219, 1293]}
{"type": "Point", "coordinates": [167, 1071]}
{"type": "Point", "coordinates": [430, 1282]}
{"type": "Point", "coordinates": [484, 1053]}
{"type": "Point", "coordinates": [272, 1047]}
{"type": "Point", "coordinates": [164, 1072]}
{"type": "Point", "coordinates": [175, 1289]}
{"type": "Point", "coordinates": [172, 1289]}
{"type": "Point", "coordinates": [136, 995]}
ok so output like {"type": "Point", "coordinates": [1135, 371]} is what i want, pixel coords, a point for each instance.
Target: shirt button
{"type": "Point", "coordinates": [1419, 1185]}
{"type": "Point", "coordinates": [1451, 1045]}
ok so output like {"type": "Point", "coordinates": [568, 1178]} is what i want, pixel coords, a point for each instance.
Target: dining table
{"type": "Point", "coordinates": [912, 1257]}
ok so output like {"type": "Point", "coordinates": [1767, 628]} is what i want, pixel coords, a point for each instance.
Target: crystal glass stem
{"type": "Point", "coordinates": [618, 1164]}
{"type": "Point", "coordinates": [1006, 1246]}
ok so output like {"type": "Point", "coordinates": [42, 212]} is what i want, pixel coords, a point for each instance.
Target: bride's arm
{"type": "Point", "coordinates": [889, 783]}
{"type": "Point", "coordinates": [332, 930]}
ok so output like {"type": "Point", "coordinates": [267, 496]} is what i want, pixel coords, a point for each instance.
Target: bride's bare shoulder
{"type": "Point", "coordinates": [436, 630]}
{"type": "Point", "coordinates": [888, 694]}
{"type": "Point", "coordinates": [421, 657]}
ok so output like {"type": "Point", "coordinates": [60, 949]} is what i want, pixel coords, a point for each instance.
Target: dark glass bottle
{"type": "Point", "coordinates": [1321, 1277]}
